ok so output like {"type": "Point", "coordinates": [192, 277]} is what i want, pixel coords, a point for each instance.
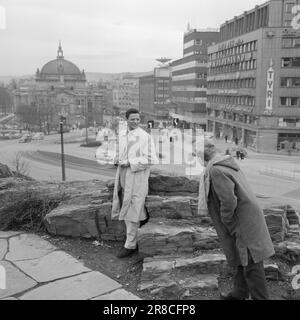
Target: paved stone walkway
{"type": "Point", "coordinates": [36, 270]}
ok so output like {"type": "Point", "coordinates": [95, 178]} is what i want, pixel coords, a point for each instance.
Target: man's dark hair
{"type": "Point", "coordinates": [131, 111]}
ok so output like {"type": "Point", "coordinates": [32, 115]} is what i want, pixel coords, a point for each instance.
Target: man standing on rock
{"type": "Point", "coordinates": [136, 153]}
{"type": "Point", "coordinates": [240, 224]}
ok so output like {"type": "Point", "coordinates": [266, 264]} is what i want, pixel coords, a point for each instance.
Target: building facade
{"type": "Point", "coordinates": [155, 94]}
{"type": "Point", "coordinates": [254, 79]}
{"type": "Point", "coordinates": [189, 76]}
{"type": "Point", "coordinates": [5, 101]}
{"type": "Point", "coordinates": [60, 88]}
{"type": "Point", "coordinates": [126, 94]}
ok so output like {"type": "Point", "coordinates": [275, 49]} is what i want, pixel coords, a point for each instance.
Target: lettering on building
{"type": "Point", "coordinates": [270, 87]}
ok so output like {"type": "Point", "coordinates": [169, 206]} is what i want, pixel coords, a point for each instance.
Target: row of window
{"type": "Point", "coordinates": [232, 116]}
{"type": "Point", "coordinates": [201, 75]}
{"type": "Point", "coordinates": [293, 82]}
{"type": "Point", "coordinates": [248, 23]}
{"type": "Point", "coordinates": [250, 101]}
{"type": "Point", "coordinates": [291, 62]}
{"type": "Point", "coordinates": [234, 100]}
{"type": "Point", "coordinates": [232, 84]}
{"type": "Point", "coordinates": [241, 66]}
{"type": "Point", "coordinates": [190, 99]}
{"type": "Point", "coordinates": [243, 48]}
{"type": "Point", "coordinates": [291, 42]}
{"type": "Point", "coordinates": [290, 101]}
{"type": "Point", "coordinates": [197, 87]}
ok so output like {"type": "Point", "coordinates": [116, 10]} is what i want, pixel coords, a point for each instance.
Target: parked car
{"type": "Point", "coordinates": [25, 138]}
{"type": "Point", "coordinates": [38, 136]}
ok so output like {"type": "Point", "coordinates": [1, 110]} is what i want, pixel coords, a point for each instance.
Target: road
{"type": "Point", "coordinates": [44, 162]}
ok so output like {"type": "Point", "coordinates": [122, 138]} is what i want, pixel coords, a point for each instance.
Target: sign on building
{"type": "Point", "coordinates": [270, 87]}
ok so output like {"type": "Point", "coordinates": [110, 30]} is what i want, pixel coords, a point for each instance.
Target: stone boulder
{"type": "Point", "coordinates": [85, 220]}
{"type": "Point", "coordinates": [181, 274]}
{"type": "Point", "coordinates": [289, 251]}
{"type": "Point", "coordinates": [5, 172]}
{"type": "Point", "coordinates": [174, 207]}
{"type": "Point", "coordinates": [166, 185]}
{"type": "Point", "coordinates": [292, 216]}
{"type": "Point", "coordinates": [277, 223]}
{"type": "Point", "coordinates": [173, 237]}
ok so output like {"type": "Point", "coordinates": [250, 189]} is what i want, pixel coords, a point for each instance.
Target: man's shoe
{"type": "Point", "coordinates": [124, 252]}
{"type": "Point", "coordinates": [230, 296]}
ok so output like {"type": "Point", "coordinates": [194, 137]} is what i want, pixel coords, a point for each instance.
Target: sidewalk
{"type": "Point", "coordinates": [36, 270]}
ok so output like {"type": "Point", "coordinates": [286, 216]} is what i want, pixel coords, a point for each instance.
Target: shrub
{"type": "Point", "coordinates": [27, 212]}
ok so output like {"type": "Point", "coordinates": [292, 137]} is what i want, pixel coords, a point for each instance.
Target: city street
{"type": "Point", "coordinates": [44, 162]}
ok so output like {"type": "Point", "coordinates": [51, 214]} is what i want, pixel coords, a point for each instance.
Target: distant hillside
{"type": "Point", "coordinates": [91, 76]}
{"type": "Point", "coordinates": [7, 79]}
{"type": "Point", "coordinates": [96, 76]}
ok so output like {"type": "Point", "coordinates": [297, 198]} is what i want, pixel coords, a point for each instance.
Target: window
{"type": "Point", "coordinates": [294, 102]}
{"type": "Point", "coordinates": [291, 43]}
{"type": "Point", "coordinates": [287, 43]}
{"type": "Point", "coordinates": [287, 23]}
{"type": "Point", "coordinates": [284, 82]}
{"type": "Point", "coordinates": [283, 101]}
{"type": "Point", "coordinates": [286, 62]}
{"type": "Point", "coordinates": [289, 102]}
{"type": "Point", "coordinates": [296, 82]}
{"type": "Point", "coordinates": [288, 7]}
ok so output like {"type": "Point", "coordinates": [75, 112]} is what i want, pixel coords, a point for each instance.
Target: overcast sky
{"type": "Point", "coordinates": [104, 35]}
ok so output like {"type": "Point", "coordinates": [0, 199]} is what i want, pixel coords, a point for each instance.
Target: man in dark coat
{"type": "Point", "coordinates": [239, 222]}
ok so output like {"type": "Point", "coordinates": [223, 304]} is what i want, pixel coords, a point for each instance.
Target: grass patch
{"type": "Point", "coordinates": [26, 213]}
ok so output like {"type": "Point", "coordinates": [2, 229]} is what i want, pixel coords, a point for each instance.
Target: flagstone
{"type": "Point", "coordinates": [28, 246]}
{"type": "Point", "coordinates": [16, 281]}
{"type": "Point", "coordinates": [53, 266]}
{"type": "Point", "coordinates": [81, 287]}
{"type": "Point", "coordinates": [120, 294]}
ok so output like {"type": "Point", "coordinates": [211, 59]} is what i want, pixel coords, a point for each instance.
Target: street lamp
{"type": "Point", "coordinates": [61, 124]}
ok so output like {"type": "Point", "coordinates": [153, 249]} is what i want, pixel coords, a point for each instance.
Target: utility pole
{"type": "Point", "coordinates": [86, 121]}
{"type": "Point", "coordinates": [61, 124]}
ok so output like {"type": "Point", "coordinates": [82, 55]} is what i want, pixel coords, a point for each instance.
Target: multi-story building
{"type": "Point", "coordinates": [155, 94]}
{"type": "Point", "coordinates": [254, 78]}
{"type": "Point", "coordinates": [126, 94]}
{"type": "Point", "coordinates": [5, 101]}
{"type": "Point", "coordinates": [189, 76]}
{"type": "Point", "coordinates": [60, 88]}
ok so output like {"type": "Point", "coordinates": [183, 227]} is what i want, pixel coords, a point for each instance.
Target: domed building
{"type": "Point", "coordinates": [60, 73]}
{"type": "Point", "coordinates": [60, 88]}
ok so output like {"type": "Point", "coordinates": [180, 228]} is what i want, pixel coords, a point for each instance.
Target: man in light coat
{"type": "Point", "coordinates": [239, 221]}
{"type": "Point", "coordinates": [136, 153]}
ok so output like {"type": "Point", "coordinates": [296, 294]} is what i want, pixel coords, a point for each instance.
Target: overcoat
{"type": "Point", "coordinates": [137, 146]}
{"type": "Point", "coordinates": [237, 216]}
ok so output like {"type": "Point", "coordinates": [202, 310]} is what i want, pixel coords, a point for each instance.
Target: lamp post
{"type": "Point", "coordinates": [61, 124]}
{"type": "Point", "coordinates": [86, 120]}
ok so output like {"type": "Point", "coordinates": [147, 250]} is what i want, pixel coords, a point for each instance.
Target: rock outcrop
{"type": "Point", "coordinates": [180, 277]}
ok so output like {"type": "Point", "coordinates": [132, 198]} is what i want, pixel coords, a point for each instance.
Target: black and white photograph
{"type": "Point", "coordinates": [149, 153]}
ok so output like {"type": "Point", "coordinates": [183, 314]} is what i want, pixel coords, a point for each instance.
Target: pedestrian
{"type": "Point", "coordinates": [226, 138]}
{"type": "Point", "coordinates": [135, 156]}
{"type": "Point", "coordinates": [236, 141]}
{"type": "Point", "coordinates": [242, 154]}
{"type": "Point", "coordinates": [238, 153]}
{"type": "Point", "coordinates": [226, 196]}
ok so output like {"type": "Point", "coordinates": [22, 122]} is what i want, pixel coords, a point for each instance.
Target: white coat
{"type": "Point", "coordinates": [137, 146]}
